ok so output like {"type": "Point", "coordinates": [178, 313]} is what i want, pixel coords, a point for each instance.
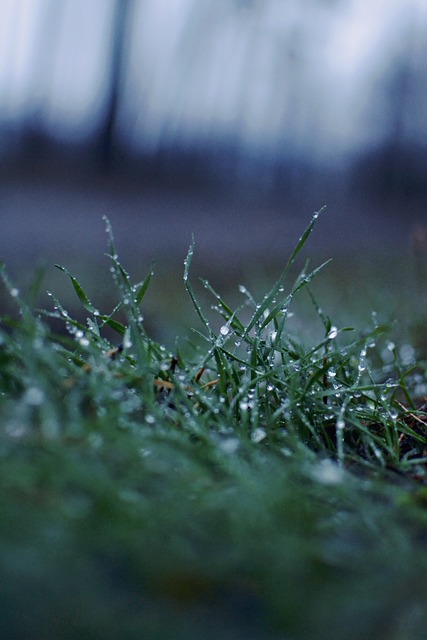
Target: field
{"type": "Point", "coordinates": [261, 477]}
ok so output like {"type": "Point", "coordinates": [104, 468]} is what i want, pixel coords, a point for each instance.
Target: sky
{"type": "Point", "coordinates": [197, 69]}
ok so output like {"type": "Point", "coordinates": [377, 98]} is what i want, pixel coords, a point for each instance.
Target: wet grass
{"type": "Point", "coordinates": [259, 479]}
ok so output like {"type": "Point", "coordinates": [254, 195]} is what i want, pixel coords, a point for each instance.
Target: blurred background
{"type": "Point", "coordinates": [231, 119]}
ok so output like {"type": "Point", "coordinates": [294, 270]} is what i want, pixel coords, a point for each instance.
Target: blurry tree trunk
{"type": "Point", "coordinates": [107, 137]}
{"type": "Point", "coordinates": [401, 89]}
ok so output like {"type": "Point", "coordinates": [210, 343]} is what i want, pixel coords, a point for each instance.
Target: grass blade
{"type": "Point", "coordinates": [142, 290]}
{"type": "Point", "coordinates": [276, 288]}
{"type": "Point", "coordinates": [78, 289]}
{"type": "Point", "coordinates": [190, 291]}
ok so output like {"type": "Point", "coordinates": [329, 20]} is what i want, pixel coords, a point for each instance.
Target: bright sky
{"type": "Point", "coordinates": [240, 92]}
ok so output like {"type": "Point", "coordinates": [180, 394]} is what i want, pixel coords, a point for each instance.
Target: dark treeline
{"type": "Point", "coordinates": [392, 165]}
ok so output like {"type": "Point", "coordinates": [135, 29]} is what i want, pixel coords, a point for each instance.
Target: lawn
{"type": "Point", "coordinates": [259, 478]}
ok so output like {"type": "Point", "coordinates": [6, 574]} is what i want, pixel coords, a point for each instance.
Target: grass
{"type": "Point", "coordinates": [250, 482]}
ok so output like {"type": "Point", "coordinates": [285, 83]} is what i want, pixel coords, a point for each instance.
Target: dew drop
{"type": "Point", "coordinates": [407, 354]}
{"type": "Point", "coordinates": [229, 445]}
{"type": "Point", "coordinates": [333, 333]}
{"type": "Point", "coordinates": [328, 472]}
{"type": "Point", "coordinates": [258, 435]}
{"type": "Point", "coordinates": [340, 424]}
{"type": "Point", "coordinates": [34, 396]}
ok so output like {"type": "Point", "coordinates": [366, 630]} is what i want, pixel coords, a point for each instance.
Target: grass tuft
{"type": "Point", "coordinates": [247, 483]}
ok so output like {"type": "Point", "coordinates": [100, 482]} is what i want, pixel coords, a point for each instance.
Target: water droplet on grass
{"type": "Point", "coordinates": [333, 333]}
{"type": "Point", "coordinates": [258, 435]}
{"type": "Point", "coordinates": [34, 396]}
{"type": "Point", "coordinates": [95, 440]}
{"type": "Point", "coordinates": [229, 445]}
{"type": "Point", "coordinates": [16, 430]}
{"type": "Point", "coordinates": [340, 424]}
{"type": "Point", "coordinates": [328, 472]}
{"type": "Point", "coordinates": [286, 452]}
{"type": "Point", "coordinates": [407, 354]}
{"type": "Point", "coordinates": [224, 331]}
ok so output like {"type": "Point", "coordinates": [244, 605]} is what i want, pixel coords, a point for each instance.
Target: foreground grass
{"type": "Point", "coordinates": [246, 484]}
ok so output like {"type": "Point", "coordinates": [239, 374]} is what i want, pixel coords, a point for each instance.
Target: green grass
{"type": "Point", "coordinates": [259, 479]}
